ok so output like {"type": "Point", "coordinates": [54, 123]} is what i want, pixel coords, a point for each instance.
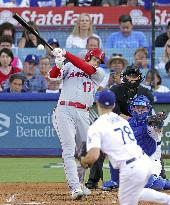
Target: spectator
{"type": "Point", "coordinates": [34, 82]}
{"type": "Point", "coordinates": [167, 68]}
{"type": "Point", "coordinates": [126, 37]}
{"type": "Point", "coordinates": [53, 42]}
{"type": "Point", "coordinates": [156, 83]}
{"type": "Point", "coordinates": [166, 77]}
{"type": "Point", "coordinates": [71, 3]}
{"type": "Point", "coordinates": [107, 3]}
{"type": "Point", "coordinates": [54, 86]}
{"type": "Point", "coordinates": [129, 2]}
{"type": "Point", "coordinates": [165, 58]}
{"type": "Point", "coordinates": [44, 66]}
{"type": "Point", "coordinates": [90, 2]}
{"type": "Point", "coordinates": [9, 30]}
{"type": "Point", "coordinates": [16, 83]}
{"type": "Point", "coordinates": [116, 64]}
{"type": "Point", "coordinates": [94, 42]}
{"type": "Point", "coordinates": [122, 2]}
{"type": "Point", "coordinates": [140, 57]}
{"type": "Point", "coordinates": [14, 3]}
{"type": "Point", "coordinates": [82, 30]}
{"type": "Point", "coordinates": [28, 40]}
{"type": "Point", "coordinates": [6, 69]}
{"type": "Point", "coordinates": [163, 38]}
{"type": "Point", "coordinates": [148, 3]}
{"type": "Point", "coordinates": [45, 3]}
{"type": "Point", "coordinates": [6, 42]}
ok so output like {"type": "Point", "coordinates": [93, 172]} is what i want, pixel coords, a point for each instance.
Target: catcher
{"type": "Point", "coordinates": [148, 132]}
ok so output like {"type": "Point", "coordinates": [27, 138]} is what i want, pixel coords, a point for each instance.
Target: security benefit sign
{"type": "Point", "coordinates": [26, 128]}
{"type": "Point", "coordinates": [166, 127]}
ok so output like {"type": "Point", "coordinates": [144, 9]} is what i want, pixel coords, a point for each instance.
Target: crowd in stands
{"type": "Point", "coordinates": [31, 74]}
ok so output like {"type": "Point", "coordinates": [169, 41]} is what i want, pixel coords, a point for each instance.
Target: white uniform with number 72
{"type": "Point", "coordinates": [114, 136]}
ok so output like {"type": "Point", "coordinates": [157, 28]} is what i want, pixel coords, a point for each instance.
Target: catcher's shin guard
{"type": "Point", "coordinates": [167, 185]}
{"type": "Point", "coordinates": [158, 183]}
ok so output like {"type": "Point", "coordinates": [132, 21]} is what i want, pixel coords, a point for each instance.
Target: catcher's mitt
{"type": "Point", "coordinates": [157, 120]}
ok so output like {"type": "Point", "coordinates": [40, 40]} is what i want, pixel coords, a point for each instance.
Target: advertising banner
{"type": "Point", "coordinates": [26, 128]}
{"type": "Point", "coordinates": [26, 124]}
{"type": "Point", "coordinates": [54, 16]}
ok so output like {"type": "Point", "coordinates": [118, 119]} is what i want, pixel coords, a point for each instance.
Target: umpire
{"type": "Point", "coordinates": [128, 89]}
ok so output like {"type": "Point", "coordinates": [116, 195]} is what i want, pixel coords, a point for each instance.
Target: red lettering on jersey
{"type": "Point", "coordinates": [87, 86]}
{"type": "Point", "coordinates": [78, 75]}
{"type": "Point", "coordinates": [71, 75]}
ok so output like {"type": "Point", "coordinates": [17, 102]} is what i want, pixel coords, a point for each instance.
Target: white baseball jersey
{"type": "Point", "coordinates": [78, 86]}
{"type": "Point", "coordinates": [114, 136]}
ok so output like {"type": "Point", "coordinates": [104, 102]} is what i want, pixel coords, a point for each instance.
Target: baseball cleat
{"type": "Point", "coordinates": [91, 185]}
{"type": "Point", "coordinates": [109, 185]}
{"type": "Point", "coordinates": [77, 194]}
{"type": "Point", "coordinates": [85, 190]}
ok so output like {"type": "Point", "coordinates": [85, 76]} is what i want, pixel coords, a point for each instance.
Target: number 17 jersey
{"type": "Point", "coordinates": [78, 86]}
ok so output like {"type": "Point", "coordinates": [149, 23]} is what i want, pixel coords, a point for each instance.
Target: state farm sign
{"type": "Point", "coordinates": [53, 16]}
{"type": "Point", "coordinates": [68, 17]}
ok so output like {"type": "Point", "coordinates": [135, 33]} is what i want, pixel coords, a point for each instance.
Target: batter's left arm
{"type": "Point", "coordinates": [76, 61]}
{"type": "Point", "coordinates": [81, 64]}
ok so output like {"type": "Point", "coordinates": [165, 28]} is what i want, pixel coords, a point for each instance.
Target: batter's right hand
{"type": "Point", "coordinates": [58, 52]}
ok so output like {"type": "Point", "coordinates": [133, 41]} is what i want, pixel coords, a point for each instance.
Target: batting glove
{"type": "Point", "coordinates": [58, 52]}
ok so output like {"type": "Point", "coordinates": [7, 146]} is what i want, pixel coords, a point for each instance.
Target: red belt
{"type": "Point", "coordinates": [74, 104]}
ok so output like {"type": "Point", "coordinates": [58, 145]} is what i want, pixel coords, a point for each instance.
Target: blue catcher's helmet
{"type": "Point", "coordinates": [140, 100]}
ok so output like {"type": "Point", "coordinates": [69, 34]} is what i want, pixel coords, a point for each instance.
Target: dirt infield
{"type": "Point", "coordinates": [51, 193]}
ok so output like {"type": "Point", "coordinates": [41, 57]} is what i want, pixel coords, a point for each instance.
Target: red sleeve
{"type": "Point", "coordinates": [79, 63]}
{"type": "Point", "coordinates": [54, 72]}
{"type": "Point", "coordinates": [16, 70]}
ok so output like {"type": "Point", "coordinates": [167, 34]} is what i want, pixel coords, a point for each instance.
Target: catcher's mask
{"type": "Point", "coordinates": [96, 52]}
{"type": "Point", "coordinates": [132, 70]}
{"type": "Point", "coordinates": [140, 100]}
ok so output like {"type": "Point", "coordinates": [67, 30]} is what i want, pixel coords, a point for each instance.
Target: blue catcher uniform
{"type": "Point", "coordinates": [138, 123]}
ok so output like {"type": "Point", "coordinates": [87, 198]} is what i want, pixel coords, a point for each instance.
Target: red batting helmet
{"type": "Point", "coordinates": [96, 52]}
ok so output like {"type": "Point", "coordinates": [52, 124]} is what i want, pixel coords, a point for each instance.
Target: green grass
{"type": "Point", "coordinates": [30, 170]}
{"type": "Point", "coordinates": [34, 170]}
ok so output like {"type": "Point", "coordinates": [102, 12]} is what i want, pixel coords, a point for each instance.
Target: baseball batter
{"type": "Point", "coordinates": [113, 135]}
{"type": "Point", "coordinates": [71, 116]}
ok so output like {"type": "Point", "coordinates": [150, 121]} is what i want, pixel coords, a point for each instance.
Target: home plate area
{"type": "Point", "coordinates": [53, 194]}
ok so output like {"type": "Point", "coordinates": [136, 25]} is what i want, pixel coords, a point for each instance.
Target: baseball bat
{"type": "Point", "coordinates": [30, 29]}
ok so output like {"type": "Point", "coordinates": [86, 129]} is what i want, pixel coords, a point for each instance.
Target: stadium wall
{"type": "Point", "coordinates": [26, 124]}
